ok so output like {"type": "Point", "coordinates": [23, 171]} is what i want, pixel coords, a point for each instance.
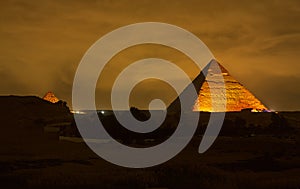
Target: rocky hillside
{"type": "Point", "coordinates": [23, 117]}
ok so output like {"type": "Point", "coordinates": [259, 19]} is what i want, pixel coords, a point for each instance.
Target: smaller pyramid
{"type": "Point", "coordinates": [49, 96]}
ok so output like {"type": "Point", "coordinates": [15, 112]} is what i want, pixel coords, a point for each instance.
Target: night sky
{"type": "Point", "coordinates": [42, 43]}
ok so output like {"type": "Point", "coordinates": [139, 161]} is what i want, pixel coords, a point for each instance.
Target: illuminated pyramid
{"type": "Point", "coordinates": [49, 96]}
{"type": "Point", "coordinates": [235, 96]}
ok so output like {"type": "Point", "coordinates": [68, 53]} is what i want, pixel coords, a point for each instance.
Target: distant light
{"type": "Point", "coordinates": [77, 112]}
{"type": "Point", "coordinates": [102, 112]}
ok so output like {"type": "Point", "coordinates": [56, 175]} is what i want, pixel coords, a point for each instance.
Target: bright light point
{"type": "Point", "coordinates": [77, 112]}
{"type": "Point", "coordinates": [102, 112]}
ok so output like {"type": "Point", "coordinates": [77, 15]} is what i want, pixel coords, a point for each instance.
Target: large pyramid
{"type": "Point", "coordinates": [236, 95]}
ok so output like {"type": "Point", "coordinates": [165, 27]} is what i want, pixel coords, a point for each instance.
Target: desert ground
{"type": "Point", "coordinates": [245, 156]}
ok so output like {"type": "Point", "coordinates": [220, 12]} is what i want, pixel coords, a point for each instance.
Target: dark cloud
{"type": "Point", "coordinates": [42, 42]}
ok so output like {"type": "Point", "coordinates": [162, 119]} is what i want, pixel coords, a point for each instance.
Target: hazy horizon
{"type": "Point", "coordinates": [258, 43]}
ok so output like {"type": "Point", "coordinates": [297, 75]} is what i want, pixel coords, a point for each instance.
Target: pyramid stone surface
{"type": "Point", "coordinates": [237, 96]}
{"type": "Point", "coordinates": [49, 96]}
